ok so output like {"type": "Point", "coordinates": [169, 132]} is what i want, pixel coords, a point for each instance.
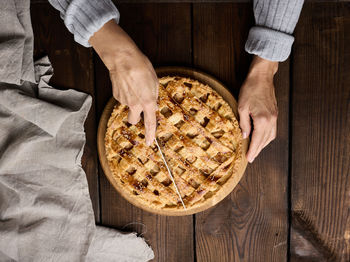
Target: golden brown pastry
{"type": "Point", "coordinates": [199, 136]}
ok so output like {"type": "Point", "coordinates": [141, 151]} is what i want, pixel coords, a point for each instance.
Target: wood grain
{"type": "Point", "coordinates": [73, 68]}
{"type": "Point", "coordinates": [251, 223]}
{"type": "Point", "coordinates": [320, 136]}
{"type": "Point", "coordinates": [210, 1]}
{"type": "Point", "coordinates": [198, 1]}
{"type": "Point", "coordinates": [163, 33]}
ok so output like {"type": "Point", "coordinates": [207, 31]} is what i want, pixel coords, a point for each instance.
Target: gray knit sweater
{"type": "Point", "coordinates": [270, 39]}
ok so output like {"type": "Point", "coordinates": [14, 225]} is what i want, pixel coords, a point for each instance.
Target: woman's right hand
{"type": "Point", "coordinates": [133, 78]}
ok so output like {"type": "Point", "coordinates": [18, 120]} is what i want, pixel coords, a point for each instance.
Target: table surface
{"type": "Point", "coordinates": [293, 201]}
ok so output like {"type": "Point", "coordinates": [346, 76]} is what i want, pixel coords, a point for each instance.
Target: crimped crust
{"type": "Point", "coordinates": [199, 136]}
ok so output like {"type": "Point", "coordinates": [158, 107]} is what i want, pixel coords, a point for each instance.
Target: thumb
{"type": "Point", "coordinates": [134, 114]}
{"type": "Point", "coordinates": [244, 121]}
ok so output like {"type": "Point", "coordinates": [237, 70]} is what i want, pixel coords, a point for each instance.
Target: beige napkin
{"type": "Point", "coordinates": [45, 208]}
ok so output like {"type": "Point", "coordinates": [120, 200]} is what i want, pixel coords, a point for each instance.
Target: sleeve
{"type": "Point", "coordinates": [275, 20]}
{"type": "Point", "coordinates": [84, 17]}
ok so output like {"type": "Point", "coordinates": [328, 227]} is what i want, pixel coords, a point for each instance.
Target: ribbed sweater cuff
{"type": "Point", "coordinates": [85, 17]}
{"type": "Point", "coordinates": [269, 44]}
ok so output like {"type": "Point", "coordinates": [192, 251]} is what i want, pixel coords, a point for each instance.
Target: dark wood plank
{"type": "Point", "coordinates": [251, 223]}
{"type": "Point", "coordinates": [73, 68]}
{"type": "Point", "coordinates": [163, 33]}
{"type": "Point", "coordinates": [320, 136]}
{"type": "Point", "coordinates": [197, 1]}
{"type": "Point", "coordinates": [211, 1]}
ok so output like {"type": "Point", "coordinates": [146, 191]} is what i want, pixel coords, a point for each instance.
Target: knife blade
{"type": "Point", "coordinates": [171, 176]}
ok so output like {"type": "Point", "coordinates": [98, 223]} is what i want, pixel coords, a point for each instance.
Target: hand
{"type": "Point", "coordinates": [257, 100]}
{"type": "Point", "coordinates": [134, 81]}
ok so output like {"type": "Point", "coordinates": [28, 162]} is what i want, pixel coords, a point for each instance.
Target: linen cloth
{"type": "Point", "coordinates": [45, 208]}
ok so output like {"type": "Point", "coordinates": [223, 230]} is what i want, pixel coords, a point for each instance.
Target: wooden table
{"type": "Point", "coordinates": [293, 202]}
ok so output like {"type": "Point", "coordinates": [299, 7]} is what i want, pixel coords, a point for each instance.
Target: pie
{"type": "Point", "coordinates": [199, 137]}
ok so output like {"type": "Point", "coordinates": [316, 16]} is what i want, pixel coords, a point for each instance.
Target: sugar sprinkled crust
{"type": "Point", "coordinates": [199, 136]}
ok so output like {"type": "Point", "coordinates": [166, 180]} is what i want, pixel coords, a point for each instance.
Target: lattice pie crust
{"type": "Point", "coordinates": [199, 136]}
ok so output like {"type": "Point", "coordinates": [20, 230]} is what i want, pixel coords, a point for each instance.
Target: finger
{"type": "Point", "coordinates": [265, 141]}
{"type": "Point", "coordinates": [123, 99]}
{"type": "Point", "coordinates": [134, 114]}
{"type": "Point", "coordinates": [115, 89]}
{"type": "Point", "coordinates": [150, 123]}
{"type": "Point", "coordinates": [244, 122]}
{"type": "Point", "coordinates": [116, 93]}
{"type": "Point", "coordinates": [272, 136]}
{"type": "Point", "coordinates": [257, 140]}
{"type": "Point", "coordinates": [119, 96]}
{"type": "Point", "coordinates": [157, 90]}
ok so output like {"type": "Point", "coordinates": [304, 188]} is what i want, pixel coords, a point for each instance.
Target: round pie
{"type": "Point", "coordinates": [198, 135]}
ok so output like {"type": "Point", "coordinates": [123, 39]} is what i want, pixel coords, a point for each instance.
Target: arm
{"type": "Point", "coordinates": [270, 42]}
{"type": "Point", "coordinates": [85, 17]}
{"type": "Point", "coordinates": [271, 38]}
{"type": "Point", "coordinates": [134, 82]}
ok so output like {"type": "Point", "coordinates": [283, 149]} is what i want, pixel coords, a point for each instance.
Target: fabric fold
{"type": "Point", "coordinates": [45, 208]}
{"type": "Point", "coordinates": [269, 44]}
{"type": "Point", "coordinates": [46, 212]}
{"type": "Point", "coordinates": [275, 21]}
{"type": "Point", "coordinates": [16, 42]}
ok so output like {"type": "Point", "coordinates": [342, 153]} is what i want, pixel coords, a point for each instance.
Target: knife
{"type": "Point", "coordinates": [171, 176]}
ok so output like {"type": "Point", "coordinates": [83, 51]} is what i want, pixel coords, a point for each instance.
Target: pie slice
{"type": "Point", "coordinates": [199, 136]}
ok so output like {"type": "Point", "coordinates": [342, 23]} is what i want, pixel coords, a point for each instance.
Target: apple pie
{"type": "Point", "coordinates": [199, 136]}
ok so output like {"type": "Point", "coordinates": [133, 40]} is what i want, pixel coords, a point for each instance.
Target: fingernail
{"type": "Point", "coordinates": [244, 135]}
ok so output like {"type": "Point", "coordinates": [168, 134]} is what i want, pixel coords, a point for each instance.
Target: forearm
{"type": "Point", "coordinates": [113, 45]}
{"type": "Point", "coordinates": [134, 81]}
{"type": "Point", "coordinates": [272, 38]}
{"type": "Point", "coordinates": [85, 17]}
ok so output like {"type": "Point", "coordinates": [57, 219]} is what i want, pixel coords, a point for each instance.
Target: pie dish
{"type": "Point", "coordinates": [200, 138]}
